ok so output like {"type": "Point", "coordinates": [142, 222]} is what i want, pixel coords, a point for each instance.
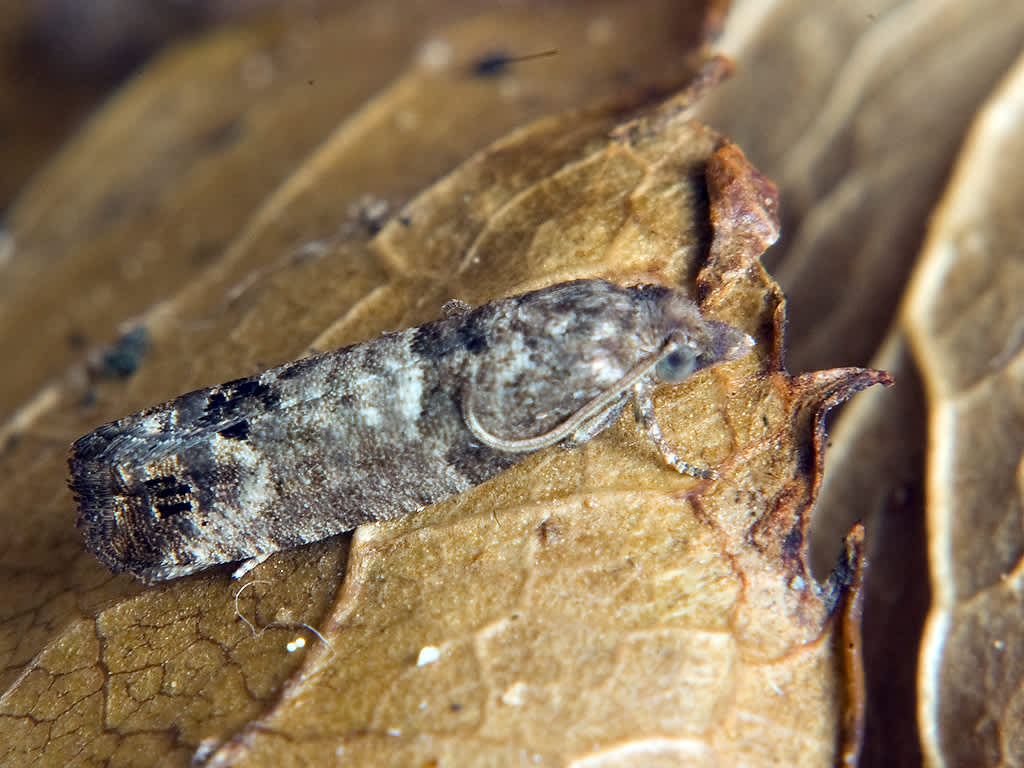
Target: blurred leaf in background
{"type": "Point", "coordinates": [304, 175]}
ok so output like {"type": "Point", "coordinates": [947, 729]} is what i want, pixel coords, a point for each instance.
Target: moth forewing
{"type": "Point", "coordinates": [382, 428]}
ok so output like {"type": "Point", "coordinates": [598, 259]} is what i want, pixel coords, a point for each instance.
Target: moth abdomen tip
{"type": "Point", "coordinates": [108, 518]}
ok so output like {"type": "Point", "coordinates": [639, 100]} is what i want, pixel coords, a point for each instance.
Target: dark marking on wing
{"type": "Point", "coordinates": [298, 369]}
{"type": "Point", "coordinates": [229, 401]}
{"type": "Point", "coordinates": [472, 333]}
{"type": "Point", "coordinates": [168, 496]}
{"type": "Point", "coordinates": [167, 486]}
{"type": "Point", "coordinates": [237, 431]}
{"type": "Point", "coordinates": [174, 508]}
{"type": "Point", "coordinates": [430, 342]}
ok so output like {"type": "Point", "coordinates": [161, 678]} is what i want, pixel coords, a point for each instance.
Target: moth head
{"type": "Point", "coordinates": [690, 341]}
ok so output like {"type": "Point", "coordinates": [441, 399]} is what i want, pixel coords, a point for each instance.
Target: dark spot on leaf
{"type": "Point", "coordinates": [792, 543]}
{"type": "Point", "coordinates": [222, 136]}
{"type": "Point", "coordinates": [122, 358]}
{"type": "Point", "coordinates": [372, 215]}
{"type": "Point", "coordinates": [840, 580]}
{"type": "Point", "coordinates": [496, 63]}
{"type": "Point", "coordinates": [547, 531]}
{"type": "Point", "coordinates": [804, 450]}
{"type": "Point", "coordinates": [492, 64]}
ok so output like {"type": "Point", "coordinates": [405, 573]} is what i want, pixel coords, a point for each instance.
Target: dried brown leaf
{"type": "Point", "coordinates": [964, 321]}
{"type": "Point", "coordinates": [594, 607]}
{"type": "Point", "coordinates": [591, 606]}
{"type": "Point", "coordinates": [858, 111]}
{"type": "Point", "coordinates": [875, 475]}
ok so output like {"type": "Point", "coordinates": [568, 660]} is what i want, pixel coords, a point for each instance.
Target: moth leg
{"type": "Point", "coordinates": [597, 424]}
{"type": "Point", "coordinates": [247, 565]}
{"type": "Point", "coordinates": [643, 411]}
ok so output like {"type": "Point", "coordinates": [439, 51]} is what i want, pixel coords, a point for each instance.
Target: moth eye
{"type": "Point", "coordinates": [676, 365]}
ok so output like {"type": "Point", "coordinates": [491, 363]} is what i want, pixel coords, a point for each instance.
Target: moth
{"type": "Point", "coordinates": [383, 428]}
